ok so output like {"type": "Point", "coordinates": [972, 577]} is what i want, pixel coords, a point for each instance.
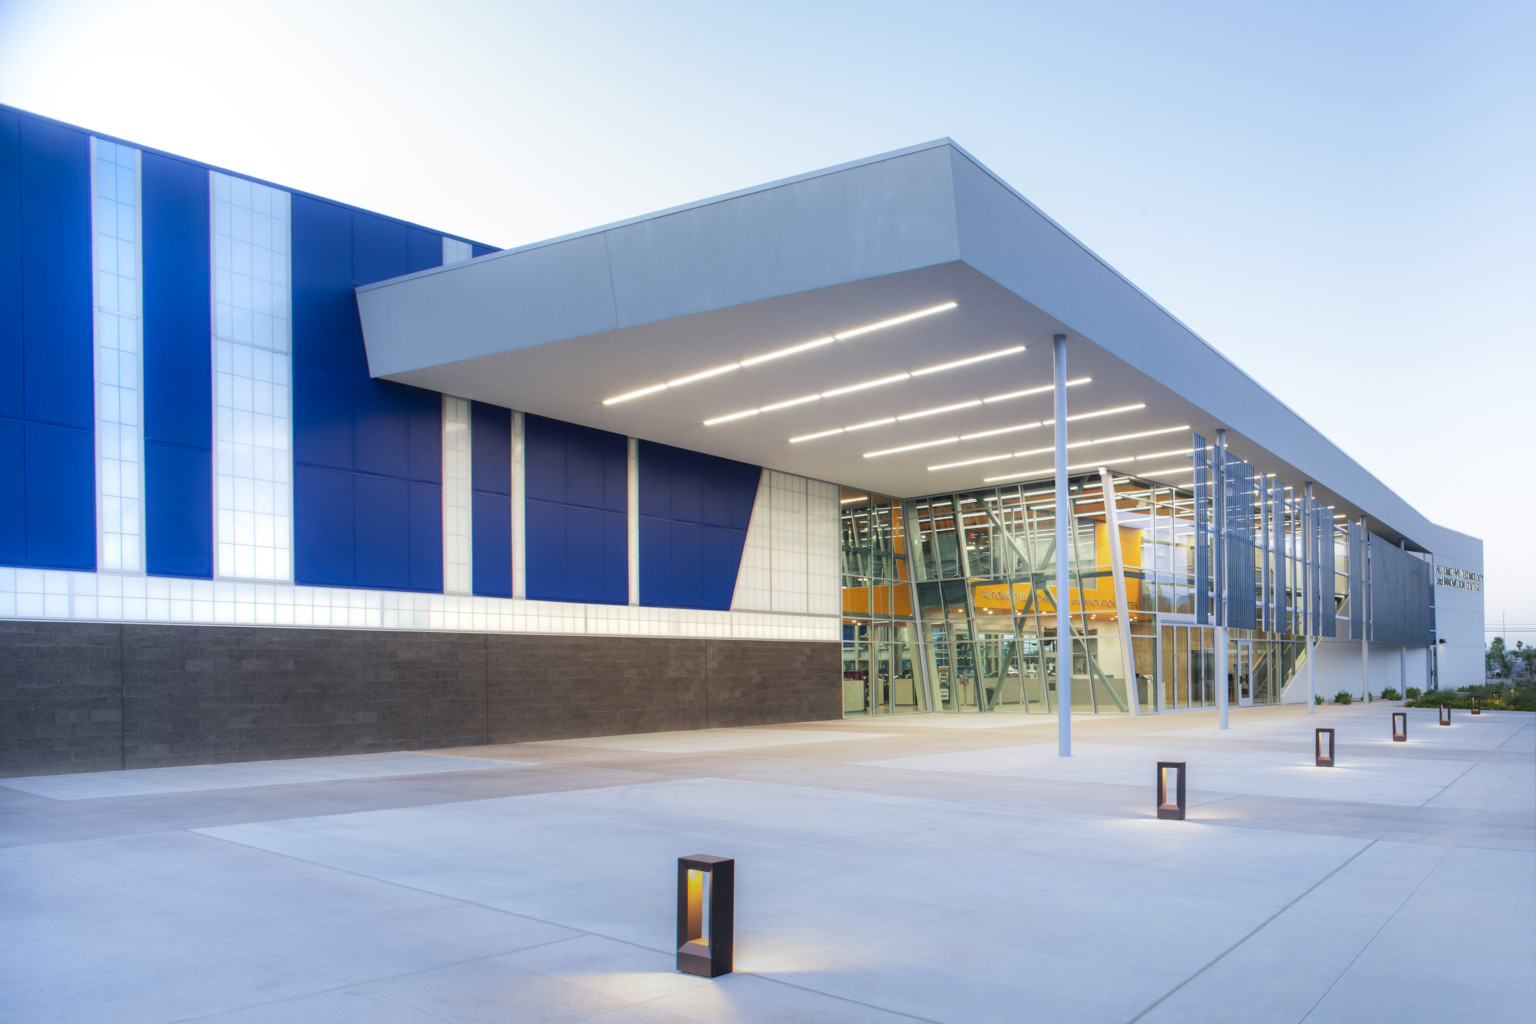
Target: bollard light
{"type": "Point", "coordinates": [1445, 715]}
{"type": "Point", "coordinates": [1400, 727]}
{"type": "Point", "coordinates": [1322, 748]}
{"type": "Point", "coordinates": [1170, 790]}
{"type": "Point", "coordinates": [1477, 707]}
{"type": "Point", "coordinates": [706, 914]}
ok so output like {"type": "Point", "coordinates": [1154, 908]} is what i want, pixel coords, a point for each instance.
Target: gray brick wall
{"type": "Point", "coordinates": [88, 697]}
{"type": "Point", "coordinates": [61, 697]}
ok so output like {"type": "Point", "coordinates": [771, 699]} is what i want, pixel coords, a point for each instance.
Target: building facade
{"type": "Point", "coordinates": [284, 477]}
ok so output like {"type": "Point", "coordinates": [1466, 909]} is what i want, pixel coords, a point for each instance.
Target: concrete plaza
{"type": "Point", "coordinates": [940, 868]}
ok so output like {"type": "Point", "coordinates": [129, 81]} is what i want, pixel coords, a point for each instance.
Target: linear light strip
{"type": "Point", "coordinates": [864, 385]}
{"type": "Point", "coordinates": [780, 353]}
{"type": "Point", "coordinates": [948, 408]}
{"type": "Point", "coordinates": [1036, 425]}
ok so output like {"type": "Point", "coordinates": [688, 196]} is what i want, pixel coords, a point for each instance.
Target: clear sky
{"type": "Point", "coordinates": [1339, 196]}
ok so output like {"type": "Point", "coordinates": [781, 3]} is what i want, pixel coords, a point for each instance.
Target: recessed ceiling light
{"type": "Point", "coordinates": [968, 362]}
{"type": "Point", "coordinates": [893, 321]}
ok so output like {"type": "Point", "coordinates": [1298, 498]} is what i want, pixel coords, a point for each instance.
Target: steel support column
{"type": "Point", "coordinates": [1223, 672]}
{"type": "Point", "coordinates": [1305, 537]}
{"type": "Point", "coordinates": [1122, 605]}
{"type": "Point", "coordinates": [1063, 552]}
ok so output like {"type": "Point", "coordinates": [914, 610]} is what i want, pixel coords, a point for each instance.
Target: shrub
{"type": "Point", "coordinates": [1414, 693]}
{"type": "Point", "coordinates": [1343, 697]}
{"type": "Point", "coordinates": [1493, 698]}
{"type": "Point", "coordinates": [1317, 698]}
{"type": "Point", "coordinates": [1390, 694]}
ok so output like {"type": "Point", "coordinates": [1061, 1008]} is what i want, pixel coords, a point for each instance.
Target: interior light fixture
{"type": "Point", "coordinates": [861, 386]}
{"type": "Point", "coordinates": [779, 354]}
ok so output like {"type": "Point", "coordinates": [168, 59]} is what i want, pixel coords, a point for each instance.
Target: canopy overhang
{"type": "Point", "coordinates": [698, 295]}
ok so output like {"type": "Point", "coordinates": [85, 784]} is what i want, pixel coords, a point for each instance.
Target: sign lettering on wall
{"type": "Point", "coordinates": [1458, 579]}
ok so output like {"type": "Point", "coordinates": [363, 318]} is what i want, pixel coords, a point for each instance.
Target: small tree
{"type": "Point", "coordinates": [1497, 659]}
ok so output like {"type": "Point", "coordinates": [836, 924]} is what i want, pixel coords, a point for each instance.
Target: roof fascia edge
{"type": "Point", "coordinates": [697, 204]}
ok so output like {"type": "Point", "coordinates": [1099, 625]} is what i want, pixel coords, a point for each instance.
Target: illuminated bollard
{"type": "Point", "coordinates": [706, 914]}
{"type": "Point", "coordinates": [1170, 776]}
{"type": "Point", "coordinates": [1322, 748]}
{"type": "Point", "coordinates": [1400, 727]}
{"type": "Point", "coordinates": [1477, 707]}
{"type": "Point", "coordinates": [1445, 715]}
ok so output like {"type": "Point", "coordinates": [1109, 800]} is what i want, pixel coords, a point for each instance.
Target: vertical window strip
{"type": "Point", "coordinates": [458, 522]}
{"type": "Point", "coordinates": [253, 449]}
{"type": "Point", "coordinates": [455, 251]}
{"type": "Point", "coordinates": [117, 290]}
{"type": "Point", "coordinates": [519, 509]}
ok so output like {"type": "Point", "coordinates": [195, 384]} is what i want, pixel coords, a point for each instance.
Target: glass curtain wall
{"type": "Point", "coordinates": [950, 599]}
{"type": "Point", "coordinates": [882, 670]}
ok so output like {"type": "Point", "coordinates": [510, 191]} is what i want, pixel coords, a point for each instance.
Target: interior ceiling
{"type": "Point", "coordinates": [569, 379]}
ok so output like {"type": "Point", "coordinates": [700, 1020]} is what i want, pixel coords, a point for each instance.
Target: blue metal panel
{"type": "Point", "coordinates": [544, 574]}
{"type": "Point", "coordinates": [57, 339]}
{"type": "Point", "coordinates": [655, 562]}
{"type": "Point", "coordinates": [694, 567]}
{"type": "Point", "coordinates": [480, 250]}
{"type": "Point", "coordinates": [322, 417]}
{"type": "Point", "coordinates": [744, 482]}
{"type": "Point", "coordinates": [323, 527]}
{"type": "Point", "coordinates": [10, 267]}
{"type": "Point", "coordinates": [383, 533]}
{"type": "Point", "coordinates": [574, 465]}
{"type": "Point", "coordinates": [616, 558]}
{"type": "Point", "coordinates": [13, 496]}
{"type": "Point", "coordinates": [381, 427]}
{"type": "Point", "coordinates": [490, 448]}
{"type": "Point", "coordinates": [178, 402]}
{"type": "Point", "coordinates": [378, 248]}
{"type": "Point", "coordinates": [584, 561]}
{"type": "Point", "coordinates": [178, 500]}
{"type": "Point", "coordinates": [424, 447]}
{"type": "Point", "coordinates": [426, 537]}
{"type": "Point", "coordinates": [715, 495]}
{"type": "Point", "coordinates": [60, 497]}
{"type": "Point", "coordinates": [492, 544]}
{"type": "Point", "coordinates": [722, 549]}
{"type": "Point", "coordinates": [655, 479]}
{"type": "Point", "coordinates": [423, 250]}
{"type": "Point", "coordinates": [326, 331]}
{"type": "Point", "coordinates": [687, 565]}
{"type": "Point", "coordinates": [687, 487]}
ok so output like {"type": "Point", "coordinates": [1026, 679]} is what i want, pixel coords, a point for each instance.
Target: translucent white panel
{"type": "Point", "coordinates": [455, 251]}
{"type": "Point", "coordinates": [457, 512]}
{"type": "Point", "coordinates": [119, 438]}
{"type": "Point", "coordinates": [253, 460]}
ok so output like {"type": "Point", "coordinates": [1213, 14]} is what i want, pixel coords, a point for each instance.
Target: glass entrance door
{"type": "Point", "coordinates": [1240, 673]}
{"type": "Point", "coordinates": [1186, 668]}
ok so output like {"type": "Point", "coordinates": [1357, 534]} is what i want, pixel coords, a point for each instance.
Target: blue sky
{"type": "Point", "coordinates": [1338, 196]}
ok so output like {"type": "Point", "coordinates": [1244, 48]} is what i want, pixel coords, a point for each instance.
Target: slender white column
{"type": "Point", "coordinates": [1122, 605]}
{"type": "Point", "coordinates": [1063, 552]}
{"type": "Point", "coordinates": [634, 521]}
{"type": "Point", "coordinates": [1223, 672]}
{"type": "Point", "coordinates": [1303, 537]}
